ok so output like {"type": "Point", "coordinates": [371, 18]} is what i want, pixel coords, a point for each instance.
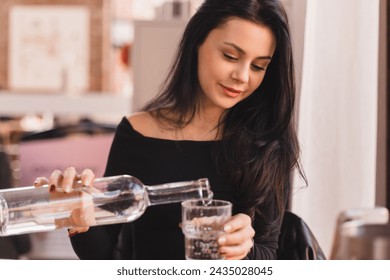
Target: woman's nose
{"type": "Point", "coordinates": [240, 74]}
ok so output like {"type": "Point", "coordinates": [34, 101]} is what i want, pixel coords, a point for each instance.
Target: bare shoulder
{"type": "Point", "coordinates": [139, 118]}
{"type": "Point", "coordinates": [143, 122]}
{"type": "Point", "coordinates": [146, 124]}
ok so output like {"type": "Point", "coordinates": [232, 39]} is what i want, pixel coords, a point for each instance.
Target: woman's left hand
{"type": "Point", "coordinates": [237, 241]}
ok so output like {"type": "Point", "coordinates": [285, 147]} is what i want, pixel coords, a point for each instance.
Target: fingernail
{"type": "Point", "coordinates": [88, 182]}
{"type": "Point", "coordinates": [52, 188]}
{"type": "Point", "coordinates": [221, 240]}
{"type": "Point", "coordinates": [66, 189]}
{"type": "Point", "coordinates": [227, 228]}
{"type": "Point", "coordinates": [36, 182]}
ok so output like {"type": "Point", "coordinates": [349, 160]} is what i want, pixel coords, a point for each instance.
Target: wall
{"type": "Point", "coordinates": [296, 10]}
{"type": "Point", "coordinates": [148, 76]}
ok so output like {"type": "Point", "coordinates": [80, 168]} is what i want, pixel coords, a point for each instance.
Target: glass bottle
{"type": "Point", "coordinates": [111, 200]}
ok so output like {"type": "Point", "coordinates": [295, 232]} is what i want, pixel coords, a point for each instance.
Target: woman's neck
{"type": "Point", "coordinates": [204, 126]}
{"type": "Point", "coordinates": [165, 123]}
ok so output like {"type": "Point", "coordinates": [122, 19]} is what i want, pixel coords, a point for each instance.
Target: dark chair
{"type": "Point", "coordinates": [5, 171]}
{"type": "Point", "coordinates": [296, 241]}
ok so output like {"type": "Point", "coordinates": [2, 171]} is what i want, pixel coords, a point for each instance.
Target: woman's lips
{"type": "Point", "coordinates": [231, 92]}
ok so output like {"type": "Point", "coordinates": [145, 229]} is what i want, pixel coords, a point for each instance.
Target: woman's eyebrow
{"type": "Point", "coordinates": [243, 52]}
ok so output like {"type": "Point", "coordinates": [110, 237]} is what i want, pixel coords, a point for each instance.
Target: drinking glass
{"type": "Point", "coordinates": [202, 225]}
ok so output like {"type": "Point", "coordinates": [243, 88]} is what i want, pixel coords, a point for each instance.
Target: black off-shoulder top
{"type": "Point", "coordinates": [156, 234]}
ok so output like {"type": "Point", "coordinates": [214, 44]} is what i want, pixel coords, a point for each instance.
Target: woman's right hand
{"type": "Point", "coordinates": [61, 185]}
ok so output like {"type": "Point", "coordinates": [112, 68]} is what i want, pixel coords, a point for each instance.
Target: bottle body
{"type": "Point", "coordinates": [111, 200]}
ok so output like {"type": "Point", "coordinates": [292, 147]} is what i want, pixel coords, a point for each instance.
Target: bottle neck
{"type": "Point", "coordinates": [179, 191]}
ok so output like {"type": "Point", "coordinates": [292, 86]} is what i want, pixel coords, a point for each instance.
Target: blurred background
{"type": "Point", "coordinates": [71, 69]}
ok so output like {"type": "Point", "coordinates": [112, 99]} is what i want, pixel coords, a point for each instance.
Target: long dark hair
{"type": "Point", "coordinates": [260, 147]}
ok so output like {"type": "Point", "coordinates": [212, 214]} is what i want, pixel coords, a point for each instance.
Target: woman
{"type": "Point", "coordinates": [225, 113]}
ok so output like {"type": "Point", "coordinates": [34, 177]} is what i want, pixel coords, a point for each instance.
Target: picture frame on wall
{"type": "Point", "coordinates": [54, 46]}
{"type": "Point", "coordinates": [48, 48]}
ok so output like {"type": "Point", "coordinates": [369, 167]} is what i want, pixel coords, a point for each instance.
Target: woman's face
{"type": "Point", "coordinates": [232, 62]}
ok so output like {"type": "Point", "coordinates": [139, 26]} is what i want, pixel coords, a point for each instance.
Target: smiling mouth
{"type": "Point", "coordinates": [231, 92]}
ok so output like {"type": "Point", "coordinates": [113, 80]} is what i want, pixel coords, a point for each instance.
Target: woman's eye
{"type": "Point", "coordinates": [257, 68]}
{"type": "Point", "coordinates": [229, 57]}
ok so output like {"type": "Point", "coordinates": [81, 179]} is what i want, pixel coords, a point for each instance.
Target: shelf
{"type": "Point", "coordinates": [16, 104]}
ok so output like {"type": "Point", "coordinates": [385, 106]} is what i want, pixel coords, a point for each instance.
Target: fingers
{"type": "Point", "coordinates": [238, 229]}
{"type": "Point", "coordinates": [238, 240]}
{"type": "Point", "coordinates": [87, 177]}
{"type": "Point", "coordinates": [67, 179]}
{"type": "Point", "coordinates": [40, 181]}
{"type": "Point", "coordinates": [55, 179]}
{"type": "Point", "coordinates": [79, 204]}
{"type": "Point", "coordinates": [74, 231]}
{"type": "Point", "coordinates": [236, 252]}
{"type": "Point", "coordinates": [83, 216]}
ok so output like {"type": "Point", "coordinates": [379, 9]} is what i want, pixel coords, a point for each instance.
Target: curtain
{"type": "Point", "coordinates": [337, 123]}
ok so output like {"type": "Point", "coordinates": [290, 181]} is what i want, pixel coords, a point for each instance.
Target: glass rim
{"type": "Point", "coordinates": [224, 203]}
